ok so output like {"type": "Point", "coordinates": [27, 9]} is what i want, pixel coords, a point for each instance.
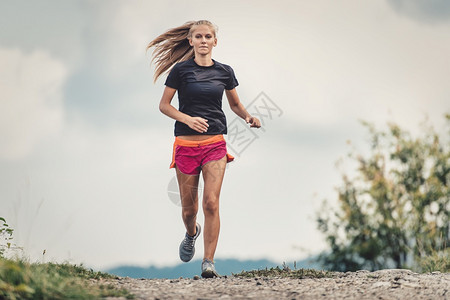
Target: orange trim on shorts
{"type": "Point", "coordinates": [211, 140]}
{"type": "Point", "coordinates": [187, 143]}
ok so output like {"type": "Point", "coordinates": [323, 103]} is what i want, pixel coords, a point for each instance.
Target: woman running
{"type": "Point", "coordinates": [199, 145]}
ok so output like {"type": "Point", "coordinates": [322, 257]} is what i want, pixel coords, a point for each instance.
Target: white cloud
{"type": "Point", "coordinates": [120, 32]}
{"type": "Point", "coordinates": [30, 100]}
{"type": "Point", "coordinates": [326, 64]}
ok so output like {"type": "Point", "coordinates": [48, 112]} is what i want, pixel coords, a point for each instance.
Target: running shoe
{"type": "Point", "coordinates": [208, 269]}
{"type": "Point", "coordinates": [187, 246]}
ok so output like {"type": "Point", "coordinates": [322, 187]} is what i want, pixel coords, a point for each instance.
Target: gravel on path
{"type": "Point", "coordinates": [383, 284]}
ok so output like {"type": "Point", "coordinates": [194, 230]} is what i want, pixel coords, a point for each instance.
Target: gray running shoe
{"type": "Point", "coordinates": [208, 269]}
{"type": "Point", "coordinates": [187, 246]}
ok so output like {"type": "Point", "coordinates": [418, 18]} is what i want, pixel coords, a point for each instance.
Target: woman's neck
{"type": "Point", "coordinates": [204, 61]}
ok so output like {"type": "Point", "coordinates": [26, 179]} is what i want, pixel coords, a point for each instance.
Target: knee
{"type": "Point", "coordinates": [211, 204]}
{"type": "Point", "coordinates": [189, 211]}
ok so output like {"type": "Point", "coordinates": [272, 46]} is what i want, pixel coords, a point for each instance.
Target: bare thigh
{"type": "Point", "coordinates": [213, 173]}
{"type": "Point", "coordinates": [188, 185]}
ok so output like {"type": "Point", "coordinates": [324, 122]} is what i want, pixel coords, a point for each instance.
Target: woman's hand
{"type": "Point", "coordinates": [239, 109]}
{"type": "Point", "coordinates": [198, 124]}
{"type": "Point", "coordinates": [254, 122]}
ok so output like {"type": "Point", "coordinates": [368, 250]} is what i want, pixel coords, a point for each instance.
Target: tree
{"type": "Point", "coordinates": [396, 209]}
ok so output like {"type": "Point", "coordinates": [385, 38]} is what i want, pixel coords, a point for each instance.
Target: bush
{"type": "Point", "coordinates": [396, 211]}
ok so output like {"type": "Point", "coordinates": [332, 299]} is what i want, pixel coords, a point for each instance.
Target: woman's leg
{"type": "Point", "coordinates": [213, 173]}
{"type": "Point", "coordinates": [188, 185]}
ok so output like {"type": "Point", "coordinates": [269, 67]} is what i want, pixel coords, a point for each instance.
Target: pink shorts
{"type": "Point", "coordinates": [191, 156]}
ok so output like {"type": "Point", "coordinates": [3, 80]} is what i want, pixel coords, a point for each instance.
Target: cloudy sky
{"type": "Point", "coordinates": [84, 150]}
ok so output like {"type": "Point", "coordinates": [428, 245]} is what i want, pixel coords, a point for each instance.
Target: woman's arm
{"type": "Point", "coordinates": [239, 109]}
{"type": "Point", "coordinates": [196, 123]}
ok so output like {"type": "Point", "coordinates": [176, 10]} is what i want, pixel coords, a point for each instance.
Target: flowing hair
{"type": "Point", "coordinates": [173, 46]}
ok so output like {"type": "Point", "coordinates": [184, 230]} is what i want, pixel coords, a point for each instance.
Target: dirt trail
{"type": "Point", "coordinates": [384, 284]}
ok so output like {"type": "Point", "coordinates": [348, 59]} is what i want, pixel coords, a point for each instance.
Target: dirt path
{"type": "Point", "coordinates": [384, 284]}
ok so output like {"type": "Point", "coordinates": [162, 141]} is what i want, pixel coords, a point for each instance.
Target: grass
{"type": "Point", "coordinates": [437, 261]}
{"type": "Point", "coordinates": [433, 259]}
{"type": "Point", "coordinates": [22, 280]}
{"type": "Point", "coordinates": [285, 272]}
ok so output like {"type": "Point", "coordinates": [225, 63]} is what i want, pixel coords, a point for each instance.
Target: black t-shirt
{"type": "Point", "coordinates": [200, 91]}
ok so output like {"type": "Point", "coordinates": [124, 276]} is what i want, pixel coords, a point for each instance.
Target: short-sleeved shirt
{"type": "Point", "coordinates": [200, 91]}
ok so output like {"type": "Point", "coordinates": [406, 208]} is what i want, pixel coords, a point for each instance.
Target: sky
{"type": "Point", "coordinates": [85, 152]}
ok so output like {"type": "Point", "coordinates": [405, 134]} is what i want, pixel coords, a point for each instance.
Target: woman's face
{"type": "Point", "coordinates": [203, 40]}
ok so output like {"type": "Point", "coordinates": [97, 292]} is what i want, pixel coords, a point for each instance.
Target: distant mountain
{"type": "Point", "coordinates": [223, 266]}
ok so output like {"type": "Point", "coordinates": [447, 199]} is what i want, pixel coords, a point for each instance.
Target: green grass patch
{"type": "Point", "coordinates": [22, 280]}
{"type": "Point", "coordinates": [436, 261]}
{"type": "Point", "coordinates": [285, 273]}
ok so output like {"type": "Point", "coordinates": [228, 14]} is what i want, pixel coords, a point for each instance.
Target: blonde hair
{"type": "Point", "coordinates": [173, 46]}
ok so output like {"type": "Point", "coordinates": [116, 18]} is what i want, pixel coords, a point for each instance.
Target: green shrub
{"type": "Point", "coordinates": [22, 280]}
